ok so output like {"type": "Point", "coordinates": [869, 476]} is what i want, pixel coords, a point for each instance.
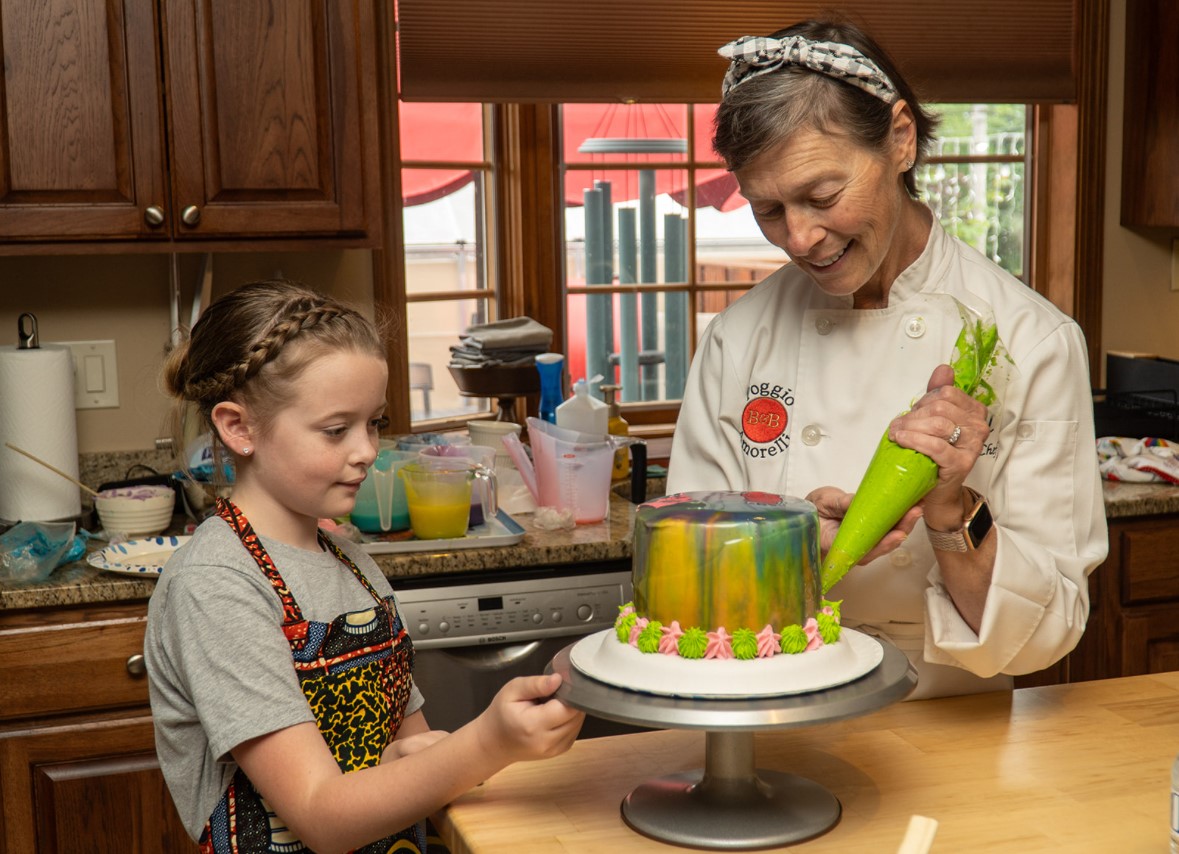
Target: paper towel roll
{"type": "Point", "coordinates": [37, 414]}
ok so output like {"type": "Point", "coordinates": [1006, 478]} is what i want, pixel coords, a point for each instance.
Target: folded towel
{"type": "Point", "coordinates": [1148, 460]}
{"type": "Point", "coordinates": [509, 334]}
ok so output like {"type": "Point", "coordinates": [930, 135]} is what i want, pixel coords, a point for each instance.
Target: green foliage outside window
{"type": "Point", "coordinates": [981, 202]}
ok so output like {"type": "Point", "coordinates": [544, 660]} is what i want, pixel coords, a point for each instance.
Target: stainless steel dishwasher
{"type": "Point", "coordinates": [473, 632]}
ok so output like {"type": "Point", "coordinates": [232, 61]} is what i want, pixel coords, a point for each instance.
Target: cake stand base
{"type": "Point", "coordinates": [730, 805]}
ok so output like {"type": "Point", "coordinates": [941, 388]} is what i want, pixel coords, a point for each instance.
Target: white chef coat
{"type": "Point", "coordinates": [791, 389]}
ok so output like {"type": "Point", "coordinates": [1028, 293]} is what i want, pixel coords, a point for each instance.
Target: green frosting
{"type": "Point", "coordinates": [833, 605]}
{"type": "Point", "coordinates": [794, 639]}
{"type": "Point", "coordinates": [623, 626]}
{"type": "Point", "coordinates": [828, 628]}
{"type": "Point", "coordinates": [693, 643]}
{"type": "Point", "coordinates": [744, 644]}
{"type": "Point", "coordinates": [649, 637]}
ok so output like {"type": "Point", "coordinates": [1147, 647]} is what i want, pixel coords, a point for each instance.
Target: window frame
{"type": "Point", "coordinates": [1068, 198]}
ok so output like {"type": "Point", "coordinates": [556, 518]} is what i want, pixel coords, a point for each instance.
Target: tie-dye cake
{"type": "Point", "coordinates": [721, 575]}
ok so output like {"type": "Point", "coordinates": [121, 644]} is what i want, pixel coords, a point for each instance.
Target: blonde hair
{"type": "Point", "coordinates": [250, 347]}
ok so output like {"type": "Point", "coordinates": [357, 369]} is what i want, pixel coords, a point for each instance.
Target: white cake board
{"type": "Point", "coordinates": [602, 657]}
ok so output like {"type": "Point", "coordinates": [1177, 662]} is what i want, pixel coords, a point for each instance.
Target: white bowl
{"type": "Point", "coordinates": [135, 510]}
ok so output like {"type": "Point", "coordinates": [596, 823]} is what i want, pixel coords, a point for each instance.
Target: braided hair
{"type": "Point", "coordinates": [250, 347]}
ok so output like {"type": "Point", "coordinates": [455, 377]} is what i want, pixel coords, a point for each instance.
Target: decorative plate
{"type": "Point", "coordinates": [143, 557]}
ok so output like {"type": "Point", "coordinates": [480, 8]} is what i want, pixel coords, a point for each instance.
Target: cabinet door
{"type": "Point", "coordinates": [270, 131]}
{"type": "Point", "coordinates": [87, 788]}
{"type": "Point", "coordinates": [81, 146]}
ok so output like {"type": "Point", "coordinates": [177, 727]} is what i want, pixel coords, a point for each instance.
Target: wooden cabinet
{"type": "Point", "coordinates": [1150, 127]}
{"type": "Point", "coordinates": [78, 770]}
{"type": "Point", "coordinates": [1133, 624]}
{"type": "Point", "coordinates": [169, 121]}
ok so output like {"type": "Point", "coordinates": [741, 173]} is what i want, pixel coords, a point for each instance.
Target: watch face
{"type": "Point", "coordinates": [980, 524]}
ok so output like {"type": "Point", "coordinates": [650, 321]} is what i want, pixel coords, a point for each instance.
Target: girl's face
{"type": "Point", "coordinates": [310, 461]}
{"type": "Point", "coordinates": [835, 208]}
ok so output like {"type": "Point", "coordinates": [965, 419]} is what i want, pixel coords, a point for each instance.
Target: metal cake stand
{"type": "Point", "coordinates": [730, 803]}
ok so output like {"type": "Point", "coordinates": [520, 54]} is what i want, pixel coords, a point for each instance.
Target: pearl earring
{"type": "Point", "coordinates": [246, 451]}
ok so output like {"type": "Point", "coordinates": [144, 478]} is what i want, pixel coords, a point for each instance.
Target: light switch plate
{"type": "Point", "coordinates": [96, 374]}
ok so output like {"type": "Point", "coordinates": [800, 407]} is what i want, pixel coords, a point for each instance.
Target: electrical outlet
{"type": "Point", "coordinates": [96, 374]}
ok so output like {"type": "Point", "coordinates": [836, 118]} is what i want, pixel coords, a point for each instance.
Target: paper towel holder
{"type": "Point", "coordinates": [26, 339]}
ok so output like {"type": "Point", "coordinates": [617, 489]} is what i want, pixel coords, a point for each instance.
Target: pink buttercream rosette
{"type": "Point", "coordinates": [720, 644]}
{"type": "Point", "coordinates": [669, 643]}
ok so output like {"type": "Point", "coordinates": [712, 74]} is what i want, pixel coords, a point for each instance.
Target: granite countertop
{"type": "Point", "coordinates": [79, 583]}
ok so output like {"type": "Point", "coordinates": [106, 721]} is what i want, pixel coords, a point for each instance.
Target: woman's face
{"type": "Point", "coordinates": [835, 208]}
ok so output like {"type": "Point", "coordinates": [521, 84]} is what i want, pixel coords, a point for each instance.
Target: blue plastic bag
{"type": "Point", "coordinates": [29, 551]}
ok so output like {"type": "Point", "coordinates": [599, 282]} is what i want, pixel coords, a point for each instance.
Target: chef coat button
{"type": "Point", "coordinates": [915, 327]}
{"type": "Point", "coordinates": [824, 325]}
{"type": "Point", "coordinates": [811, 435]}
{"type": "Point", "coordinates": [900, 557]}
{"type": "Point", "coordinates": [1025, 431]}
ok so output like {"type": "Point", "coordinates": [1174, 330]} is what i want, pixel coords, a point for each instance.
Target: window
{"type": "Point", "coordinates": [975, 180]}
{"type": "Point", "coordinates": [640, 180]}
{"type": "Point", "coordinates": [446, 184]}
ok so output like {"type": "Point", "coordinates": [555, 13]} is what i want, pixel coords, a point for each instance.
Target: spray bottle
{"type": "Point", "coordinates": [617, 426]}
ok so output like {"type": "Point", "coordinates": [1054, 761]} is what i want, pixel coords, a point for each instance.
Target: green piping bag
{"type": "Point", "coordinates": [897, 478]}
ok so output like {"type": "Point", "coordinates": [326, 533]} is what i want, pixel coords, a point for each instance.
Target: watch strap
{"type": "Point", "coordinates": [960, 540]}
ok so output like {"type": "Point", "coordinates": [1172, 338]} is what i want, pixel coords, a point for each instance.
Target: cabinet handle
{"type": "Point", "coordinates": [136, 666]}
{"type": "Point", "coordinates": [191, 215]}
{"type": "Point", "coordinates": [154, 216]}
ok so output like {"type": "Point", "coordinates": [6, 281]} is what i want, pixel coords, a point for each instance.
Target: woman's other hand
{"type": "Point", "coordinates": [832, 504]}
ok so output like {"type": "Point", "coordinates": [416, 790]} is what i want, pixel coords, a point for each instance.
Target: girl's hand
{"type": "Point", "coordinates": [832, 504]}
{"type": "Point", "coordinates": [400, 747]}
{"type": "Point", "coordinates": [524, 721]}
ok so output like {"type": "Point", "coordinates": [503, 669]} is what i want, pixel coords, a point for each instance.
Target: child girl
{"type": "Point", "coordinates": [280, 669]}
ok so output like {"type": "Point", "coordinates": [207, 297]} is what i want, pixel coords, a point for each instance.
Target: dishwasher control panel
{"type": "Point", "coordinates": [519, 610]}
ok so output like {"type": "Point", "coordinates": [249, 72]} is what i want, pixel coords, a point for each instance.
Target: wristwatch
{"type": "Point", "coordinates": [976, 524]}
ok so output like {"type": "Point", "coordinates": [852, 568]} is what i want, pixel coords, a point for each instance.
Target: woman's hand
{"type": "Point", "coordinates": [524, 720]}
{"type": "Point", "coordinates": [832, 504]}
{"type": "Point", "coordinates": [944, 413]}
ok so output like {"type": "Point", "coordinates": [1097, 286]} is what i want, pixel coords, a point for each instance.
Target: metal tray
{"type": "Point", "coordinates": [500, 530]}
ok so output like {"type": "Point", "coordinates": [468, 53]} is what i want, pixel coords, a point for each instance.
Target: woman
{"type": "Point", "coordinates": [793, 384]}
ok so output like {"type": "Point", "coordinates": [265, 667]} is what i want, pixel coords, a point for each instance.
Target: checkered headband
{"type": "Point", "coordinates": [751, 56]}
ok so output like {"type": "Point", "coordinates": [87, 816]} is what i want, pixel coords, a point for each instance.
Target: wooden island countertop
{"type": "Point", "coordinates": [1079, 767]}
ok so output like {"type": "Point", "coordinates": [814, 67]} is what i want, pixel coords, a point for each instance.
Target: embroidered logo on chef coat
{"type": "Point", "coordinates": [764, 420]}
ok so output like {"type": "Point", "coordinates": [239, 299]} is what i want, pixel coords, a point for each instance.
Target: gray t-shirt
{"type": "Point", "coordinates": [219, 668]}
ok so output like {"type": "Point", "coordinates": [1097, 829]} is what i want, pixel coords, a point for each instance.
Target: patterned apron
{"type": "Point", "coordinates": [355, 674]}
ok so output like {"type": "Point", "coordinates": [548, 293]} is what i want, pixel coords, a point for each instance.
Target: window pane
{"type": "Point", "coordinates": [980, 129]}
{"type": "Point", "coordinates": [444, 250]}
{"type": "Point", "coordinates": [639, 341]}
{"type": "Point", "coordinates": [441, 131]}
{"type": "Point", "coordinates": [981, 203]}
{"type": "Point", "coordinates": [731, 248]}
{"type": "Point", "coordinates": [702, 117]}
{"type": "Point", "coordinates": [630, 226]}
{"type": "Point", "coordinates": [433, 327]}
{"type": "Point", "coordinates": [598, 133]}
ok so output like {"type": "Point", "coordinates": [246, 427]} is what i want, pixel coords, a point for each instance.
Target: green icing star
{"type": "Point", "coordinates": [834, 606]}
{"type": "Point", "coordinates": [794, 639]}
{"type": "Point", "coordinates": [649, 637]}
{"type": "Point", "coordinates": [623, 626]}
{"type": "Point", "coordinates": [693, 643]}
{"type": "Point", "coordinates": [744, 644]}
{"type": "Point", "coordinates": [828, 627]}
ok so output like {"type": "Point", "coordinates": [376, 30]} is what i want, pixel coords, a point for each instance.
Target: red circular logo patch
{"type": "Point", "coordinates": [764, 419]}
